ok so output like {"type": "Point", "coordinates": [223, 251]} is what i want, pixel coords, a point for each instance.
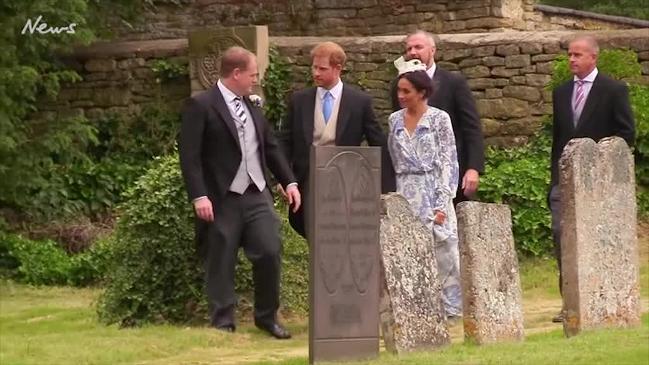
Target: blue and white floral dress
{"type": "Point", "coordinates": [427, 176]}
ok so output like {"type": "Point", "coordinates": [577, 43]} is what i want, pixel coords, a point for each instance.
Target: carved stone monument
{"type": "Point", "coordinates": [207, 45]}
{"type": "Point", "coordinates": [599, 248]}
{"type": "Point", "coordinates": [491, 287]}
{"type": "Point", "coordinates": [412, 314]}
{"type": "Point", "coordinates": [343, 231]}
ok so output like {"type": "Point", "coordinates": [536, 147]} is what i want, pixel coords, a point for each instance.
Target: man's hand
{"type": "Point", "coordinates": [294, 198]}
{"type": "Point", "coordinates": [280, 189]}
{"type": "Point", "coordinates": [440, 217]}
{"type": "Point", "coordinates": [203, 209]}
{"type": "Point", "coordinates": [470, 182]}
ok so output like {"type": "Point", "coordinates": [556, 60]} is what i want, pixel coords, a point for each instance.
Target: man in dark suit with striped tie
{"type": "Point", "coordinates": [591, 105]}
{"type": "Point", "coordinates": [225, 147]}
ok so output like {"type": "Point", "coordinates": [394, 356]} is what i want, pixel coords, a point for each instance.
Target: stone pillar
{"type": "Point", "coordinates": [599, 248]}
{"type": "Point", "coordinates": [412, 315]}
{"type": "Point", "coordinates": [207, 45]}
{"type": "Point", "coordinates": [491, 288]}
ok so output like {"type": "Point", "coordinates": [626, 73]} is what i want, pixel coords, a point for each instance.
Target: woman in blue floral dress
{"type": "Point", "coordinates": [422, 146]}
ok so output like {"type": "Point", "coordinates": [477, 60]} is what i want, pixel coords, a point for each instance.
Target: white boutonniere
{"type": "Point", "coordinates": [256, 100]}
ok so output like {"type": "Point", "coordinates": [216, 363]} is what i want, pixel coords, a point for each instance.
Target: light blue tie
{"type": "Point", "coordinates": [327, 105]}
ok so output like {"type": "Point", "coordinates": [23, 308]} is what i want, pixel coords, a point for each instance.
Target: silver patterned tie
{"type": "Point", "coordinates": [239, 111]}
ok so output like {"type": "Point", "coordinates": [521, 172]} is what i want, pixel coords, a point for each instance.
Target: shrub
{"type": "Point", "coordinates": [90, 267]}
{"type": "Point", "coordinates": [91, 181]}
{"type": "Point", "coordinates": [155, 275]}
{"type": "Point", "coordinates": [40, 262]}
{"type": "Point", "coordinates": [276, 85]}
{"type": "Point", "coordinates": [520, 178]}
{"type": "Point", "coordinates": [46, 263]}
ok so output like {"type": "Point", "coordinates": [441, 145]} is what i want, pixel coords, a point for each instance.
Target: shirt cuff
{"type": "Point", "coordinates": [199, 198]}
{"type": "Point", "coordinates": [291, 184]}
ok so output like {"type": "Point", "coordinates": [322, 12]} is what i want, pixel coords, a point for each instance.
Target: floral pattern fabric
{"type": "Point", "coordinates": [427, 173]}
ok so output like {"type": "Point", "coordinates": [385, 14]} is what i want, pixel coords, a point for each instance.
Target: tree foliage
{"type": "Point", "coordinates": [35, 142]}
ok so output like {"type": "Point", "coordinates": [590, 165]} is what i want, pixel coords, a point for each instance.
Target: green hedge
{"type": "Point", "coordinates": [519, 177]}
{"type": "Point", "coordinates": [155, 274]}
{"type": "Point", "coordinates": [46, 262]}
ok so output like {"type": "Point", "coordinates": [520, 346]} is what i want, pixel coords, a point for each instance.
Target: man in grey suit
{"type": "Point", "coordinates": [225, 146]}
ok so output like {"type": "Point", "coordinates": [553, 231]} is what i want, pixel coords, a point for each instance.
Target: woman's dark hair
{"type": "Point", "coordinates": [420, 80]}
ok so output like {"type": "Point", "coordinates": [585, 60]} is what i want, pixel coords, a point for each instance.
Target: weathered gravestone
{"type": "Point", "coordinates": [599, 249]}
{"type": "Point", "coordinates": [491, 288]}
{"type": "Point", "coordinates": [343, 231]}
{"type": "Point", "coordinates": [207, 45]}
{"type": "Point", "coordinates": [412, 314]}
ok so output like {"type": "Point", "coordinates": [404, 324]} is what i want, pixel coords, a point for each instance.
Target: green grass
{"type": "Point", "coordinates": [621, 346]}
{"type": "Point", "coordinates": [53, 325]}
{"type": "Point", "coordinates": [629, 346]}
{"type": "Point", "coordinates": [58, 325]}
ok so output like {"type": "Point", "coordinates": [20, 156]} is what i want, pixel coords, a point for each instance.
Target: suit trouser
{"type": "Point", "coordinates": [555, 210]}
{"type": "Point", "coordinates": [247, 221]}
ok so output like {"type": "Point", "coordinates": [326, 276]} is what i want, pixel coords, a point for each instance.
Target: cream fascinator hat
{"type": "Point", "coordinates": [404, 66]}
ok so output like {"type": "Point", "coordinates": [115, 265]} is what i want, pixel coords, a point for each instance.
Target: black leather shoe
{"type": "Point", "coordinates": [558, 318]}
{"type": "Point", "coordinates": [276, 330]}
{"type": "Point", "coordinates": [227, 328]}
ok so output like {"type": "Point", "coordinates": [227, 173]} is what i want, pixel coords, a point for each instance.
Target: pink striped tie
{"type": "Point", "coordinates": [579, 99]}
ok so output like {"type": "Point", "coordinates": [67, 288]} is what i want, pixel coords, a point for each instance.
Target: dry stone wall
{"type": "Point", "coordinates": [507, 73]}
{"type": "Point", "coordinates": [355, 18]}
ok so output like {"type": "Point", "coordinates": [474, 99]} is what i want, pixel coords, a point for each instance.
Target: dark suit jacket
{"type": "Point", "coordinates": [209, 146]}
{"type": "Point", "coordinates": [607, 113]}
{"type": "Point", "coordinates": [451, 93]}
{"type": "Point", "coordinates": [356, 121]}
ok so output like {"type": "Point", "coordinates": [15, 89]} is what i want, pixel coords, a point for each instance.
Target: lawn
{"type": "Point", "coordinates": [57, 325]}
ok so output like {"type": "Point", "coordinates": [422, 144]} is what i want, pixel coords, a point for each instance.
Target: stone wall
{"type": "Point", "coordinates": [354, 18]}
{"type": "Point", "coordinates": [507, 72]}
{"type": "Point", "coordinates": [118, 78]}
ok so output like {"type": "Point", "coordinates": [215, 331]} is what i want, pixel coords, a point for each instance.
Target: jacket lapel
{"type": "Point", "coordinates": [257, 120]}
{"type": "Point", "coordinates": [436, 98]}
{"type": "Point", "coordinates": [565, 104]}
{"type": "Point", "coordinates": [344, 111]}
{"type": "Point", "coordinates": [222, 109]}
{"type": "Point", "coordinates": [308, 108]}
{"type": "Point", "coordinates": [591, 102]}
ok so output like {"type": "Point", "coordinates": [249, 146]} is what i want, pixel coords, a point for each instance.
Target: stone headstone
{"type": "Point", "coordinates": [599, 248]}
{"type": "Point", "coordinates": [343, 231]}
{"type": "Point", "coordinates": [491, 287]}
{"type": "Point", "coordinates": [207, 45]}
{"type": "Point", "coordinates": [412, 314]}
